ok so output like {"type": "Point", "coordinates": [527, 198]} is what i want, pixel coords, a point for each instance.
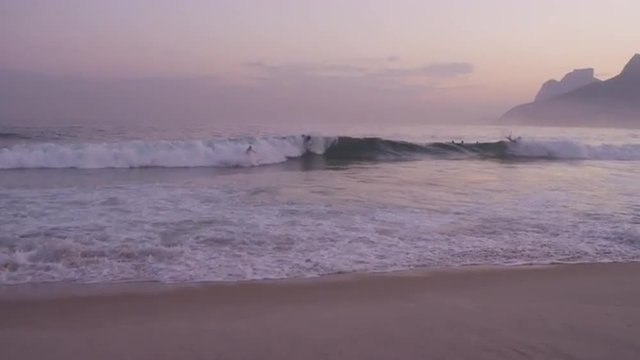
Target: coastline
{"type": "Point", "coordinates": [586, 311]}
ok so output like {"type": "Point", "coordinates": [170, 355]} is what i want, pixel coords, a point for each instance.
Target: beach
{"type": "Point", "coordinates": [248, 180]}
{"type": "Point", "coordinates": [589, 311]}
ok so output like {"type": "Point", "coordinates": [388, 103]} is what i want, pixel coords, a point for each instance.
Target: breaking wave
{"type": "Point", "coordinates": [11, 136]}
{"type": "Point", "coordinates": [247, 152]}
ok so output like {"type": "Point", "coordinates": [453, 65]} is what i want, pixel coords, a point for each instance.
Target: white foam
{"type": "Point", "coordinates": [134, 154]}
{"type": "Point", "coordinates": [175, 234]}
{"type": "Point", "coordinates": [568, 149]}
{"type": "Point", "coordinates": [233, 152]}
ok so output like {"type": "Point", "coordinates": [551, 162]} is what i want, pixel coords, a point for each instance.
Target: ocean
{"type": "Point", "coordinates": [113, 203]}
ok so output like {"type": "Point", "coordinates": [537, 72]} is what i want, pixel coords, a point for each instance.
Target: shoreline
{"type": "Point", "coordinates": [67, 289]}
{"type": "Point", "coordinates": [586, 311]}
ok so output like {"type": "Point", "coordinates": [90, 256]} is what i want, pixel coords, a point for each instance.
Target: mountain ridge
{"type": "Point", "coordinates": [571, 81]}
{"type": "Point", "coordinates": [613, 102]}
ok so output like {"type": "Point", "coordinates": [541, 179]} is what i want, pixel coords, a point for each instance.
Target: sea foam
{"type": "Point", "coordinates": [567, 149]}
{"type": "Point", "coordinates": [136, 154]}
{"type": "Point", "coordinates": [247, 152]}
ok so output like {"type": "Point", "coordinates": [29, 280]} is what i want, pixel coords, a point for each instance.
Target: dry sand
{"type": "Point", "coordinates": [559, 312]}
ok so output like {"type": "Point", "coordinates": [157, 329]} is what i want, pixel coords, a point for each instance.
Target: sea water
{"type": "Point", "coordinates": [181, 204]}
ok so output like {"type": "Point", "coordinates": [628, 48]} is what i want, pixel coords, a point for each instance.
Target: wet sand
{"type": "Point", "coordinates": [557, 312]}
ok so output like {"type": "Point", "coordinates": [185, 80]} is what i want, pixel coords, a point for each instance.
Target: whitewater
{"type": "Point", "coordinates": [233, 152]}
{"type": "Point", "coordinates": [92, 205]}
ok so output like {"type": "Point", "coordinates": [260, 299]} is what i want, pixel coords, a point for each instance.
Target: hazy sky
{"type": "Point", "coordinates": [494, 52]}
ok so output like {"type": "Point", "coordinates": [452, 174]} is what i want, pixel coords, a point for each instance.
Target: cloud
{"type": "Point", "coordinates": [436, 70]}
{"type": "Point", "coordinates": [308, 68]}
{"type": "Point", "coordinates": [374, 60]}
{"type": "Point", "coordinates": [342, 81]}
{"type": "Point", "coordinates": [308, 92]}
{"type": "Point", "coordinates": [305, 93]}
{"type": "Point", "coordinates": [433, 71]}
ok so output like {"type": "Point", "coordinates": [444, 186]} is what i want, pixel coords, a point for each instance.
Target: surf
{"type": "Point", "coordinates": [232, 152]}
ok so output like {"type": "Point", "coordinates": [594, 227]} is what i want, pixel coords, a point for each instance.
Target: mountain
{"type": "Point", "coordinates": [614, 102]}
{"type": "Point", "coordinates": [573, 80]}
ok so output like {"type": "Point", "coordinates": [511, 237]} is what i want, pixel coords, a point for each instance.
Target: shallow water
{"type": "Point", "coordinates": [108, 204]}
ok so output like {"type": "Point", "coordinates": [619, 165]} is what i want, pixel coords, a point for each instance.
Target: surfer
{"type": "Point", "coordinates": [250, 150]}
{"type": "Point", "coordinates": [306, 142]}
{"type": "Point", "coordinates": [512, 140]}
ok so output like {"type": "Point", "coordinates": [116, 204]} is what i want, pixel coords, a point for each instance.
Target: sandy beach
{"type": "Point", "coordinates": [555, 312]}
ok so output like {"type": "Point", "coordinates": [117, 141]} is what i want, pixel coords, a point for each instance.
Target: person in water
{"type": "Point", "coordinates": [512, 140]}
{"type": "Point", "coordinates": [250, 150]}
{"type": "Point", "coordinates": [306, 141]}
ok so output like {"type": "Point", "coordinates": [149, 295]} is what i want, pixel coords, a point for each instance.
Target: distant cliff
{"type": "Point", "coordinates": [573, 80]}
{"type": "Point", "coordinates": [614, 102]}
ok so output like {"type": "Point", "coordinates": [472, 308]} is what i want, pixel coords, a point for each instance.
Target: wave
{"type": "Point", "coordinates": [349, 148]}
{"type": "Point", "coordinates": [572, 150]}
{"type": "Point", "coordinates": [135, 154]}
{"type": "Point", "coordinates": [247, 152]}
{"type": "Point", "coordinates": [11, 136]}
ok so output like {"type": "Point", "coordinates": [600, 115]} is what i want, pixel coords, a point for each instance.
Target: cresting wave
{"type": "Point", "coordinates": [10, 135]}
{"type": "Point", "coordinates": [247, 152]}
{"type": "Point", "coordinates": [181, 153]}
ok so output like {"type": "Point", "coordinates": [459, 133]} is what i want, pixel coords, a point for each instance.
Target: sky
{"type": "Point", "coordinates": [472, 58]}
